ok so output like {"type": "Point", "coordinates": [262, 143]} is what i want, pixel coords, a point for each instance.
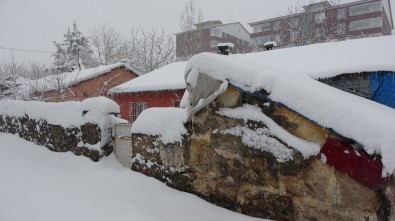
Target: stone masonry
{"type": "Point", "coordinates": [219, 168]}
{"type": "Point", "coordinates": [57, 138]}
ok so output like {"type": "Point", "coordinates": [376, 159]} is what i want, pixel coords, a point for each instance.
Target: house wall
{"type": "Point", "coordinates": [153, 99]}
{"type": "Point", "coordinates": [94, 87]}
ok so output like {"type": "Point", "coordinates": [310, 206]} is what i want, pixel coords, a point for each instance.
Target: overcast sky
{"type": "Point", "coordinates": [34, 24]}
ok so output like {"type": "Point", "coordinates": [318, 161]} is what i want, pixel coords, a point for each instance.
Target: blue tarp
{"type": "Point", "coordinates": [382, 84]}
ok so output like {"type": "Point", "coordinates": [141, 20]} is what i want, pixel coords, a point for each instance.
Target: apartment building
{"type": "Point", "coordinates": [323, 21]}
{"type": "Point", "coordinates": [207, 35]}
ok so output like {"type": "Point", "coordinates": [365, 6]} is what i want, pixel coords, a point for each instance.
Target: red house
{"type": "Point", "coordinates": [163, 87]}
{"type": "Point", "coordinates": [82, 84]}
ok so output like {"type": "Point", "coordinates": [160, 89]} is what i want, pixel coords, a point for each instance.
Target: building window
{"type": "Point", "coordinates": [176, 103]}
{"type": "Point", "coordinates": [267, 26]}
{"type": "Point", "coordinates": [341, 28]}
{"type": "Point", "coordinates": [277, 25]}
{"type": "Point", "coordinates": [256, 28]}
{"type": "Point", "coordinates": [294, 36]}
{"type": "Point", "coordinates": [216, 32]}
{"type": "Point", "coordinates": [319, 17]}
{"type": "Point", "coordinates": [294, 22]}
{"type": "Point", "coordinates": [365, 8]}
{"type": "Point", "coordinates": [366, 24]}
{"type": "Point", "coordinates": [135, 110]}
{"type": "Point", "coordinates": [341, 13]}
{"type": "Point", "coordinates": [320, 32]}
{"type": "Point", "coordinates": [277, 38]}
{"type": "Point", "coordinates": [261, 40]}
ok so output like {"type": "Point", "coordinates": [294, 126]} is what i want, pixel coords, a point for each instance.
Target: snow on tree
{"type": "Point", "coordinates": [73, 52]}
{"type": "Point", "coordinates": [11, 71]}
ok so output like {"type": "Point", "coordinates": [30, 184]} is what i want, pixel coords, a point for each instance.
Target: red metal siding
{"type": "Point", "coordinates": [358, 165]}
{"type": "Point", "coordinates": [153, 99]}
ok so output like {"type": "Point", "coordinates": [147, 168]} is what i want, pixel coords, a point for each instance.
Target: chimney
{"type": "Point", "coordinates": [225, 48]}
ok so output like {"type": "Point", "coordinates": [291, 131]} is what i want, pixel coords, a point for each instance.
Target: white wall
{"type": "Point", "coordinates": [236, 30]}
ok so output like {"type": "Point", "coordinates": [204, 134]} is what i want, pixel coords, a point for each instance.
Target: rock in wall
{"type": "Point", "coordinates": [57, 138]}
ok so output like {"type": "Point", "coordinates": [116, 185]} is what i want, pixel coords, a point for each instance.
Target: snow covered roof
{"type": "Point", "coordinates": [333, 58]}
{"type": "Point", "coordinates": [367, 122]}
{"type": "Point", "coordinates": [71, 78]}
{"type": "Point", "coordinates": [169, 77]}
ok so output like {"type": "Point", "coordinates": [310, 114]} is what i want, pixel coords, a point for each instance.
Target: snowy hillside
{"type": "Point", "coordinates": [39, 185]}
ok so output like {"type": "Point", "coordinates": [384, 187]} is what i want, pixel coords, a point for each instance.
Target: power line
{"type": "Point", "coordinates": [14, 49]}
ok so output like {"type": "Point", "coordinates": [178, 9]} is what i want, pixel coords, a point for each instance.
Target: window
{"type": "Point", "coordinates": [261, 40]}
{"type": "Point", "coordinates": [341, 13]}
{"type": "Point", "coordinates": [135, 110]}
{"type": "Point", "coordinates": [365, 8]}
{"type": "Point", "coordinates": [277, 38]}
{"type": "Point", "coordinates": [294, 36]}
{"type": "Point", "coordinates": [266, 26]}
{"type": "Point", "coordinates": [294, 22]}
{"type": "Point", "coordinates": [216, 32]}
{"type": "Point", "coordinates": [366, 24]}
{"type": "Point", "coordinates": [341, 28]}
{"type": "Point", "coordinates": [256, 28]}
{"type": "Point", "coordinates": [320, 17]}
{"type": "Point", "coordinates": [320, 32]}
{"type": "Point", "coordinates": [277, 25]}
{"type": "Point", "coordinates": [176, 103]}
{"type": "Point", "coordinates": [262, 27]}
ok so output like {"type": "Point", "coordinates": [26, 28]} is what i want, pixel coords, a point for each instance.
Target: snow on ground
{"type": "Point", "coordinates": [167, 123]}
{"type": "Point", "coordinates": [369, 123]}
{"type": "Point", "coordinates": [332, 58]}
{"type": "Point", "coordinates": [38, 185]}
{"type": "Point", "coordinates": [169, 77]}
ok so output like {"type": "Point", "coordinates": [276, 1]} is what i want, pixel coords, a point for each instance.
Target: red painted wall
{"type": "Point", "coordinates": [153, 99]}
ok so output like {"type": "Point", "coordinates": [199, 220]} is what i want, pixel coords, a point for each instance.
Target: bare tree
{"type": "Point", "coordinates": [107, 44]}
{"type": "Point", "coordinates": [149, 50]}
{"type": "Point", "coordinates": [11, 71]}
{"type": "Point", "coordinates": [191, 15]}
{"type": "Point", "coordinates": [37, 70]}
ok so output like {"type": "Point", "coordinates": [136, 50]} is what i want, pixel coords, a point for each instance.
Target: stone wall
{"type": "Point", "coordinates": [219, 168]}
{"type": "Point", "coordinates": [57, 138]}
